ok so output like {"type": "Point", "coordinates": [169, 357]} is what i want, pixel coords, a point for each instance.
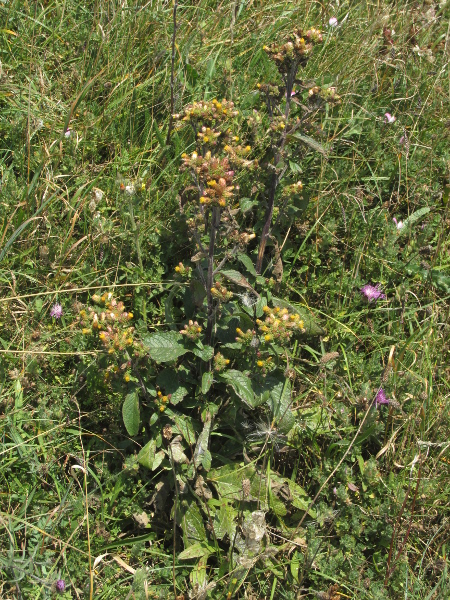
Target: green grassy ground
{"type": "Point", "coordinates": [74, 503]}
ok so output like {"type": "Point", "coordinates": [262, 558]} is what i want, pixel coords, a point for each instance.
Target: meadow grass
{"type": "Point", "coordinates": [74, 503]}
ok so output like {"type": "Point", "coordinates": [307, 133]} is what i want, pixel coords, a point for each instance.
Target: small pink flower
{"type": "Point", "coordinates": [293, 93]}
{"type": "Point", "coordinates": [372, 293]}
{"type": "Point", "coordinates": [333, 22]}
{"type": "Point", "coordinates": [388, 118]}
{"type": "Point", "coordinates": [398, 224]}
{"type": "Point", "coordinates": [56, 311]}
{"type": "Point", "coordinates": [68, 133]}
{"type": "Point", "coordinates": [381, 398]}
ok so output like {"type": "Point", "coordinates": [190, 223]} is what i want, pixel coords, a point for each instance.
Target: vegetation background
{"type": "Point", "coordinates": [74, 502]}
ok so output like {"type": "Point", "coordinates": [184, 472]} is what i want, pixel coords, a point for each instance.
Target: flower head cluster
{"type": "Point", "coordinates": [220, 362]}
{"type": "Point", "coordinates": [60, 585]}
{"type": "Point", "coordinates": [279, 325]}
{"type": "Point", "coordinates": [110, 321]}
{"type": "Point", "coordinates": [182, 271]}
{"type": "Point", "coordinates": [372, 293]}
{"type": "Point", "coordinates": [327, 94]}
{"type": "Point", "coordinates": [246, 338]}
{"type": "Point", "coordinates": [293, 189]}
{"type": "Point", "coordinates": [381, 398]}
{"type": "Point", "coordinates": [295, 51]}
{"type": "Point", "coordinates": [206, 112]}
{"type": "Point", "coordinates": [264, 365]}
{"type": "Point", "coordinates": [56, 311]}
{"type": "Point", "coordinates": [220, 292]}
{"type": "Point", "coordinates": [192, 331]}
{"type": "Point", "coordinates": [214, 174]}
{"type": "Point", "coordinates": [161, 401]}
{"type": "Point", "coordinates": [208, 136]}
{"type": "Point", "coordinates": [238, 156]}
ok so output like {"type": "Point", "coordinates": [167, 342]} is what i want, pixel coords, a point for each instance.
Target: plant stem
{"type": "Point", "coordinates": [215, 221]}
{"type": "Point", "coordinates": [172, 72]}
{"type": "Point", "coordinates": [135, 230]}
{"type": "Point", "coordinates": [275, 179]}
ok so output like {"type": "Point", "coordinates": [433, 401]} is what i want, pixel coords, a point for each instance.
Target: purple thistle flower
{"type": "Point", "coordinates": [381, 398]}
{"type": "Point", "coordinates": [372, 293]}
{"type": "Point", "coordinates": [60, 585]}
{"type": "Point", "coordinates": [56, 311]}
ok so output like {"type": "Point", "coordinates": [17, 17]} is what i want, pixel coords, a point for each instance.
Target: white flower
{"type": "Point", "coordinates": [68, 133]}
{"type": "Point", "coordinates": [333, 22]}
{"type": "Point", "coordinates": [389, 118]}
{"type": "Point", "coordinates": [129, 189]}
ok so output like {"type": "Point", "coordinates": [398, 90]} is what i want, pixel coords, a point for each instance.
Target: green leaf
{"type": "Point", "coordinates": [206, 353]}
{"type": "Point", "coordinates": [416, 216]}
{"type": "Point", "coordinates": [309, 141]}
{"type": "Point", "coordinates": [149, 458]}
{"type": "Point", "coordinates": [224, 520]}
{"type": "Point", "coordinates": [235, 277]}
{"type": "Point", "coordinates": [247, 204]}
{"type": "Point", "coordinates": [131, 413]}
{"type": "Point", "coordinates": [164, 346]}
{"type": "Point", "coordinates": [242, 386]}
{"type": "Point", "coordinates": [191, 522]}
{"type": "Point", "coordinates": [202, 456]}
{"type": "Point", "coordinates": [168, 381]}
{"type": "Point", "coordinates": [248, 263]}
{"type": "Point", "coordinates": [280, 403]}
{"type": "Point", "coordinates": [207, 380]}
{"type": "Point", "coordinates": [196, 551]}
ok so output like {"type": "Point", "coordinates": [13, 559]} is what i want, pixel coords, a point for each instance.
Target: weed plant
{"type": "Point", "coordinates": [224, 308]}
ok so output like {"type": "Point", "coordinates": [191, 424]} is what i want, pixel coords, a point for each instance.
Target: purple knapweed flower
{"type": "Point", "coordinates": [60, 585]}
{"type": "Point", "coordinates": [381, 398]}
{"type": "Point", "coordinates": [56, 311]}
{"type": "Point", "coordinates": [388, 118]}
{"type": "Point", "coordinates": [333, 22]}
{"type": "Point", "coordinates": [372, 293]}
{"type": "Point", "coordinates": [398, 224]}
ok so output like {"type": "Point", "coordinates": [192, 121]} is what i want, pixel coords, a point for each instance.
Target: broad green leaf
{"type": "Point", "coordinates": [149, 458]}
{"type": "Point", "coordinates": [280, 403]}
{"type": "Point", "coordinates": [206, 353]}
{"type": "Point", "coordinates": [228, 481]}
{"type": "Point", "coordinates": [242, 386]}
{"type": "Point", "coordinates": [248, 263]}
{"type": "Point", "coordinates": [169, 383]}
{"type": "Point", "coordinates": [207, 380]}
{"type": "Point", "coordinates": [183, 426]}
{"type": "Point", "coordinates": [196, 551]}
{"type": "Point", "coordinates": [131, 413]}
{"type": "Point", "coordinates": [235, 277]}
{"type": "Point", "coordinates": [191, 521]}
{"type": "Point", "coordinates": [164, 346]}
{"type": "Point", "coordinates": [416, 216]}
{"type": "Point", "coordinates": [309, 141]}
{"type": "Point", "coordinates": [224, 519]}
{"type": "Point", "coordinates": [202, 456]}
{"type": "Point", "coordinates": [247, 204]}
